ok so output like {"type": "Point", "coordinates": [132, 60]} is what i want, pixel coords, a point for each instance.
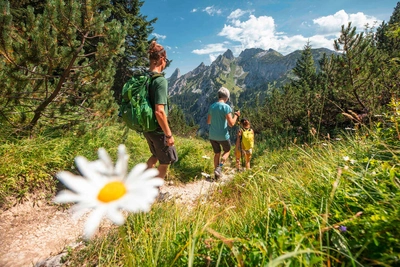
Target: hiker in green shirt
{"type": "Point", "coordinates": [161, 141]}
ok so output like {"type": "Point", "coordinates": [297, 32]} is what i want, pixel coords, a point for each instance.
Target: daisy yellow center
{"type": "Point", "coordinates": [112, 191]}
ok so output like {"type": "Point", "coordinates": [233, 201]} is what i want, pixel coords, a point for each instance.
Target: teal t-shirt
{"type": "Point", "coordinates": [219, 125]}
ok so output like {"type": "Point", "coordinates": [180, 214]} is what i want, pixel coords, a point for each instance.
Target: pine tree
{"type": "Point", "coordinates": [308, 91]}
{"type": "Point", "coordinates": [136, 40]}
{"type": "Point", "coordinates": [384, 36]}
{"type": "Point", "coordinates": [305, 69]}
{"type": "Point", "coordinates": [353, 73]}
{"type": "Point", "coordinates": [58, 63]}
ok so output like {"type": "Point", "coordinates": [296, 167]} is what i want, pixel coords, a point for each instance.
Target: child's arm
{"type": "Point", "coordinates": [239, 135]}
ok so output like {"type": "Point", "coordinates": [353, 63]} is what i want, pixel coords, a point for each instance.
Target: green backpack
{"type": "Point", "coordinates": [135, 109]}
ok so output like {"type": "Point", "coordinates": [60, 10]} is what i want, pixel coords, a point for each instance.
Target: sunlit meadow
{"type": "Point", "coordinates": [327, 203]}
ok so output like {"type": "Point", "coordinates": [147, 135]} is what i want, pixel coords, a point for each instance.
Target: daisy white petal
{"type": "Point", "coordinates": [155, 182]}
{"type": "Point", "coordinates": [140, 204]}
{"type": "Point", "coordinates": [90, 170]}
{"type": "Point", "coordinates": [73, 182]}
{"type": "Point", "coordinates": [137, 171]}
{"type": "Point", "coordinates": [98, 167]}
{"type": "Point", "coordinates": [93, 221]}
{"type": "Point", "coordinates": [148, 174]}
{"type": "Point", "coordinates": [136, 177]}
{"type": "Point", "coordinates": [78, 210]}
{"type": "Point", "coordinates": [121, 166]}
{"type": "Point", "coordinates": [66, 196]}
{"type": "Point", "coordinates": [115, 216]}
{"type": "Point", "coordinates": [105, 158]}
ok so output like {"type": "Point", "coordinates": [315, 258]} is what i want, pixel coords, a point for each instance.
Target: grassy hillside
{"type": "Point", "coordinates": [332, 203]}
{"type": "Point", "coordinates": [28, 166]}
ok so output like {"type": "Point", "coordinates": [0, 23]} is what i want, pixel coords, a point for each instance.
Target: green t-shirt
{"type": "Point", "coordinates": [159, 92]}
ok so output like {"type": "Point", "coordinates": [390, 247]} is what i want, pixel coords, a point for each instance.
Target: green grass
{"type": "Point", "coordinates": [335, 203]}
{"type": "Point", "coordinates": [28, 166]}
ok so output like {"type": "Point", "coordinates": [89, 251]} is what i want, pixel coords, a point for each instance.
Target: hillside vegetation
{"type": "Point", "coordinates": [333, 202]}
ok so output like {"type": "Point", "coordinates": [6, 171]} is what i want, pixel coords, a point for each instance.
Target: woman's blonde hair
{"type": "Point", "coordinates": [156, 51]}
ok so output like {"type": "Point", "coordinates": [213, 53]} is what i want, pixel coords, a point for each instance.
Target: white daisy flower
{"type": "Point", "coordinates": [346, 158]}
{"type": "Point", "coordinates": [106, 189]}
{"type": "Point", "coordinates": [205, 157]}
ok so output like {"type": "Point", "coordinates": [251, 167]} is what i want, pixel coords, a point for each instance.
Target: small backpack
{"type": "Point", "coordinates": [135, 109]}
{"type": "Point", "coordinates": [247, 138]}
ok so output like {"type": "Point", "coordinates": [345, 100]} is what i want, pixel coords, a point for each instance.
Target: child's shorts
{"type": "Point", "coordinates": [247, 152]}
{"type": "Point", "coordinates": [238, 153]}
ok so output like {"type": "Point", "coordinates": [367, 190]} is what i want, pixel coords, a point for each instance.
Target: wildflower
{"type": "Point", "coordinates": [342, 228]}
{"type": "Point", "coordinates": [206, 157]}
{"type": "Point", "coordinates": [346, 158]}
{"type": "Point", "coordinates": [205, 174]}
{"type": "Point", "coordinates": [106, 189]}
{"type": "Point", "coordinates": [352, 161]}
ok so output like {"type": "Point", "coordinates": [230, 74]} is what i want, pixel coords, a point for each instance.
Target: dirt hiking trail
{"type": "Point", "coordinates": [36, 234]}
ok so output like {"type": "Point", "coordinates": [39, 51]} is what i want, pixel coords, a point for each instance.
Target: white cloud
{"type": "Point", "coordinates": [210, 49]}
{"type": "Point", "coordinates": [255, 32]}
{"type": "Point", "coordinates": [193, 10]}
{"type": "Point", "coordinates": [159, 36]}
{"type": "Point", "coordinates": [332, 24]}
{"type": "Point", "coordinates": [237, 14]}
{"type": "Point", "coordinates": [211, 10]}
{"type": "Point", "coordinates": [260, 32]}
{"type": "Point", "coordinates": [213, 57]}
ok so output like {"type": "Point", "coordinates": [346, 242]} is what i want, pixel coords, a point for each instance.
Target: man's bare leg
{"type": "Point", "coordinates": [151, 162]}
{"type": "Point", "coordinates": [162, 170]}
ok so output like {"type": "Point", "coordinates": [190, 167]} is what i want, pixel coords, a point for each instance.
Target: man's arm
{"type": "Point", "coordinates": [163, 122]}
{"type": "Point", "coordinates": [232, 118]}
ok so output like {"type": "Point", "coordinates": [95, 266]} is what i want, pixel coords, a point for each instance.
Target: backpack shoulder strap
{"type": "Point", "coordinates": [153, 77]}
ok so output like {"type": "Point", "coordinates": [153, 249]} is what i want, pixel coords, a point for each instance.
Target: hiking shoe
{"type": "Point", "coordinates": [217, 172]}
{"type": "Point", "coordinates": [163, 197]}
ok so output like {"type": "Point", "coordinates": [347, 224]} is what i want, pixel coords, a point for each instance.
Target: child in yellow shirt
{"type": "Point", "coordinates": [244, 143]}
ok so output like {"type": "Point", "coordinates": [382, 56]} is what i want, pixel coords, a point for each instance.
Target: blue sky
{"type": "Point", "coordinates": [199, 31]}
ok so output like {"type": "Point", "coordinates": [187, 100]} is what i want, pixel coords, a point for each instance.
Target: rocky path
{"type": "Point", "coordinates": [36, 235]}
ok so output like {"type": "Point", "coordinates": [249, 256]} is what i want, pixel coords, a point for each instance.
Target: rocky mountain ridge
{"type": "Point", "coordinates": [246, 76]}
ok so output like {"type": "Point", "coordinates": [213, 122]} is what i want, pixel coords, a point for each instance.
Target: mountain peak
{"type": "Point", "coordinates": [175, 75]}
{"type": "Point", "coordinates": [200, 68]}
{"type": "Point", "coordinates": [250, 52]}
{"type": "Point", "coordinates": [228, 54]}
